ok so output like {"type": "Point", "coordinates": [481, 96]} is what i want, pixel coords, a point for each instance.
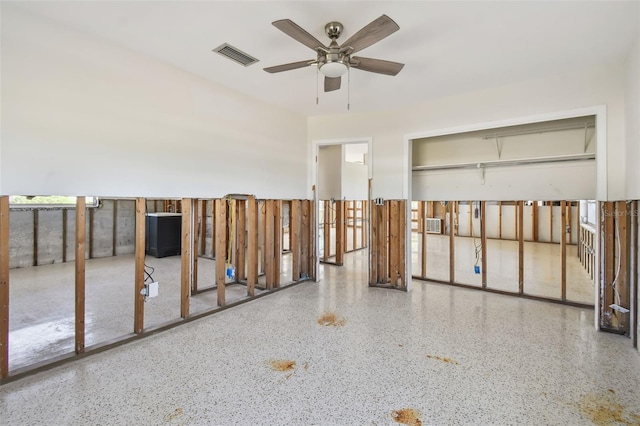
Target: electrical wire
{"type": "Point", "coordinates": [148, 274]}
{"type": "Point", "coordinates": [233, 221]}
{"type": "Point", "coordinates": [478, 247]}
{"type": "Point", "coordinates": [614, 284]}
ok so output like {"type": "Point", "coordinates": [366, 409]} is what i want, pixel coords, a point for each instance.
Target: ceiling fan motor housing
{"type": "Point", "coordinates": [333, 30]}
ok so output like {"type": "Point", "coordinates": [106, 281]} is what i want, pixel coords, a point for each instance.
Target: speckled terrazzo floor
{"type": "Point", "coordinates": [456, 356]}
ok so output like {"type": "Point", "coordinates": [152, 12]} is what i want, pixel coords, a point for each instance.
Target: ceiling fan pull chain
{"type": "Point", "coordinates": [317, 83]}
{"type": "Point", "coordinates": [348, 88]}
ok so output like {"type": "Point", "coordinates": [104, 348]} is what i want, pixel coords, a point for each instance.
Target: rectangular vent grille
{"type": "Point", "coordinates": [236, 55]}
{"type": "Point", "coordinates": [434, 226]}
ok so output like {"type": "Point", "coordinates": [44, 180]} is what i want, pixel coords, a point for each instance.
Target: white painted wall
{"type": "Point", "coordinates": [354, 181]}
{"type": "Point", "coordinates": [81, 116]}
{"type": "Point", "coordinates": [330, 172]}
{"type": "Point", "coordinates": [538, 182]}
{"type": "Point", "coordinates": [603, 85]}
{"type": "Point", "coordinates": [632, 123]}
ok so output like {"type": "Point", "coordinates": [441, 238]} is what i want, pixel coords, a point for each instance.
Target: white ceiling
{"type": "Point", "coordinates": [448, 47]}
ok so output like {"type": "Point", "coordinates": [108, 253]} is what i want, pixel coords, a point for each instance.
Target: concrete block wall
{"type": "Point", "coordinates": [47, 226]}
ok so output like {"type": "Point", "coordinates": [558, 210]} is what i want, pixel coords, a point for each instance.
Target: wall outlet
{"type": "Point", "coordinates": [150, 289]}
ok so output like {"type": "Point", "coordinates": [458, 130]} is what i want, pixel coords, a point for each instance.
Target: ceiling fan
{"type": "Point", "coordinates": [334, 60]}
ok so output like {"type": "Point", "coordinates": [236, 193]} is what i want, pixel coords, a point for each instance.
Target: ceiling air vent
{"type": "Point", "coordinates": [236, 55]}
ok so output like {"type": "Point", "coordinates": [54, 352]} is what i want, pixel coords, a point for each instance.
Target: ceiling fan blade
{"type": "Point", "coordinates": [331, 84]}
{"type": "Point", "coordinates": [376, 65]}
{"type": "Point", "coordinates": [296, 32]}
{"type": "Point", "coordinates": [372, 33]}
{"type": "Point", "coordinates": [287, 67]}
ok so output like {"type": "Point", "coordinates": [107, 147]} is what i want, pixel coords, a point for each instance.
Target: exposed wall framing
{"type": "Point", "coordinates": [138, 316]}
{"type": "Point", "coordinates": [461, 218]}
{"type": "Point", "coordinates": [387, 246]}
{"type": "Point", "coordinates": [80, 275]}
{"type": "Point", "coordinates": [615, 220]}
{"type": "Point", "coordinates": [343, 229]}
{"type": "Point", "coordinates": [233, 219]}
{"type": "Point", "coordinates": [4, 286]}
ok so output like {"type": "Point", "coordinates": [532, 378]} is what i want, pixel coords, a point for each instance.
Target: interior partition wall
{"type": "Point", "coordinates": [80, 279]}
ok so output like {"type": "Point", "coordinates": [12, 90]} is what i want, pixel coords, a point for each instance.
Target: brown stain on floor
{"type": "Point", "coordinates": [281, 364]}
{"type": "Point", "coordinates": [407, 416]}
{"type": "Point", "coordinates": [176, 413]}
{"type": "Point", "coordinates": [603, 410]}
{"type": "Point", "coordinates": [330, 319]}
{"type": "Point", "coordinates": [443, 359]}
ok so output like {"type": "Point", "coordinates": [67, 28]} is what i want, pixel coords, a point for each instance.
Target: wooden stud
{"type": "Point", "coordinates": [4, 287]}
{"type": "Point", "coordinates": [213, 228]}
{"type": "Point", "coordinates": [622, 285]}
{"type": "Point", "coordinates": [64, 235]}
{"type": "Point", "coordinates": [203, 226]}
{"type": "Point", "coordinates": [288, 248]}
{"type": "Point", "coordinates": [186, 260]}
{"type": "Point", "coordinates": [114, 229]}
{"type": "Point", "coordinates": [483, 241]}
{"type": "Point", "coordinates": [269, 244]}
{"type": "Point", "coordinates": [340, 234]}
{"type": "Point", "coordinates": [277, 242]}
{"type": "Point", "coordinates": [609, 252]}
{"type": "Point", "coordinates": [563, 249]}
{"type": "Point", "coordinates": [252, 243]}
{"type": "Point", "coordinates": [569, 229]}
{"type": "Point", "coordinates": [366, 222]}
{"type": "Point", "coordinates": [340, 241]}
{"type": "Point", "coordinates": [380, 216]}
{"type": "Point", "coordinates": [294, 236]}
{"type": "Point", "coordinates": [423, 221]}
{"type": "Point", "coordinates": [394, 242]}
{"type": "Point", "coordinates": [373, 245]}
{"type": "Point", "coordinates": [452, 265]}
{"type": "Point", "coordinates": [194, 251]}
{"type": "Point", "coordinates": [402, 266]}
{"type": "Point", "coordinates": [327, 230]}
{"type": "Point", "coordinates": [635, 244]}
{"type": "Point", "coordinates": [35, 237]}
{"type": "Point", "coordinates": [354, 230]}
{"type": "Point", "coordinates": [80, 274]}
{"type": "Point", "coordinates": [241, 239]}
{"type": "Point", "coordinates": [221, 248]}
{"type": "Point", "coordinates": [516, 204]}
{"type": "Point", "coordinates": [383, 247]}
{"type": "Point", "coordinates": [520, 212]}
{"type": "Point", "coordinates": [305, 239]}
{"type": "Point", "coordinates": [363, 232]}
{"type": "Point", "coordinates": [313, 254]}
{"type": "Point", "coordinates": [138, 316]}
{"type": "Point", "coordinates": [263, 234]}
{"type": "Point", "coordinates": [534, 221]}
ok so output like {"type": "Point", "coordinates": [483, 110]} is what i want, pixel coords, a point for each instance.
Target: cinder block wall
{"type": "Point", "coordinates": [37, 235]}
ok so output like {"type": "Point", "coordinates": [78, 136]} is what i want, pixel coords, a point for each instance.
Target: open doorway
{"type": "Point", "coordinates": [341, 177]}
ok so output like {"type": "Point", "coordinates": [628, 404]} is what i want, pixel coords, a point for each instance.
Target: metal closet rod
{"type": "Point", "coordinates": [503, 163]}
{"type": "Point", "coordinates": [540, 130]}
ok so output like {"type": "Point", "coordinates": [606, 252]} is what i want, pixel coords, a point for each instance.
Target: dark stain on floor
{"type": "Point", "coordinates": [281, 364]}
{"type": "Point", "coordinates": [604, 410]}
{"type": "Point", "coordinates": [407, 416]}
{"type": "Point", "coordinates": [330, 319]}
{"type": "Point", "coordinates": [443, 359]}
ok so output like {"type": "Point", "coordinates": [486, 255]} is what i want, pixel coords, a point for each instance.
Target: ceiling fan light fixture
{"type": "Point", "coordinates": [333, 69]}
